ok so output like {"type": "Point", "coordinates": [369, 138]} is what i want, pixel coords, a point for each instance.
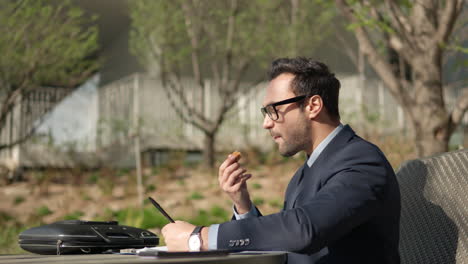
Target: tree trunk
{"type": "Point", "coordinates": [209, 149]}
{"type": "Point", "coordinates": [420, 38]}
{"type": "Point", "coordinates": [430, 119]}
{"type": "Point", "coordinates": [428, 143]}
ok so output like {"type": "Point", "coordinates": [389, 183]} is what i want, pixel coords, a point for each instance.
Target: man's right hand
{"type": "Point", "coordinates": [232, 180]}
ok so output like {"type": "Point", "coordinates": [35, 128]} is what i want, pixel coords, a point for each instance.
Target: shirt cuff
{"type": "Point", "coordinates": [252, 213]}
{"type": "Point", "coordinates": [213, 237]}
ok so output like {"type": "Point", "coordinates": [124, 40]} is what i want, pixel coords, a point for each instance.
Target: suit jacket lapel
{"type": "Point", "coordinates": [295, 187]}
{"type": "Point", "coordinates": [292, 188]}
{"type": "Point", "coordinates": [300, 186]}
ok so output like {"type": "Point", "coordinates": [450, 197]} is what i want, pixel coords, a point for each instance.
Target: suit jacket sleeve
{"type": "Point", "coordinates": [254, 212]}
{"type": "Point", "coordinates": [350, 193]}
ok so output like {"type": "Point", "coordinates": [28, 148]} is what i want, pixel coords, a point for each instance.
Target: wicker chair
{"type": "Point", "coordinates": [434, 209]}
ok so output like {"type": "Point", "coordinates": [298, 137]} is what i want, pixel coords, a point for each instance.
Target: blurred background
{"type": "Point", "coordinates": [106, 102]}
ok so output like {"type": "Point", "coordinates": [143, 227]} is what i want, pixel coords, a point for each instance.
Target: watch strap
{"type": "Point", "coordinates": [197, 230]}
{"type": "Point", "coordinates": [196, 234]}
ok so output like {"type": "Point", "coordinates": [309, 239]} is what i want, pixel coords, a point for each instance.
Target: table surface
{"type": "Point", "coordinates": [257, 258]}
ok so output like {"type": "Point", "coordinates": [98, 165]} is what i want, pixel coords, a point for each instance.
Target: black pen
{"type": "Point", "coordinates": [161, 210]}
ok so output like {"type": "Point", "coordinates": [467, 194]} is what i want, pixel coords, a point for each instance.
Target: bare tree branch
{"type": "Point", "coordinates": [382, 67]}
{"type": "Point", "coordinates": [22, 139]}
{"type": "Point", "coordinates": [178, 89]}
{"type": "Point", "coordinates": [233, 85]}
{"type": "Point", "coordinates": [216, 74]}
{"type": "Point", "coordinates": [193, 34]}
{"type": "Point", "coordinates": [229, 97]}
{"type": "Point", "coordinates": [43, 45]}
{"type": "Point", "coordinates": [402, 29]}
{"type": "Point", "coordinates": [229, 39]}
{"type": "Point", "coordinates": [447, 20]}
{"type": "Point", "coordinates": [210, 29]}
{"type": "Point", "coordinates": [346, 48]}
{"type": "Point", "coordinates": [8, 103]}
{"type": "Point", "coordinates": [171, 83]}
{"type": "Point", "coordinates": [400, 20]}
{"type": "Point", "coordinates": [29, 132]}
{"type": "Point", "coordinates": [11, 98]}
{"type": "Point", "coordinates": [227, 46]}
{"type": "Point", "coordinates": [168, 89]}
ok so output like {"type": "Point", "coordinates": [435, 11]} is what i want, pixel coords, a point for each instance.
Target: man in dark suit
{"type": "Point", "coordinates": [341, 206]}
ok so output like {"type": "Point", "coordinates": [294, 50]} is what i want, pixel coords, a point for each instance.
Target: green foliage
{"type": "Point", "coordinates": [4, 218]}
{"type": "Point", "coordinates": [219, 42]}
{"type": "Point", "coordinates": [45, 44]}
{"type": "Point", "coordinates": [149, 217]}
{"type": "Point", "coordinates": [123, 172]}
{"type": "Point", "coordinates": [202, 218]}
{"type": "Point", "coordinates": [181, 182]}
{"type": "Point", "coordinates": [459, 49]}
{"type": "Point", "coordinates": [370, 117]}
{"type": "Point", "coordinates": [258, 200]}
{"type": "Point", "coordinates": [365, 20]}
{"type": "Point", "coordinates": [153, 218]}
{"type": "Point", "coordinates": [146, 218]}
{"type": "Point", "coordinates": [74, 215]}
{"type": "Point", "coordinates": [87, 197]}
{"type": "Point", "coordinates": [106, 186]}
{"type": "Point", "coordinates": [381, 25]}
{"type": "Point", "coordinates": [93, 178]}
{"type": "Point", "coordinates": [150, 188]}
{"type": "Point", "coordinates": [43, 211]}
{"type": "Point", "coordinates": [262, 29]}
{"type": "Point", "coordinates": [18, 200]}
{"type": "Point", "coordinates": [220, 213]}
{"type": "Point", "coordinates": [256, 186]}
{"type": "Point", "coordinates": [8, 239]}
{"type": "Point", "coordinates": [275, 203]}
{"type": "Point", "coordinates": [155, 170]}
{"type": "Point", "coordinates": [196, 196]}
{"type": "Point", "coordinates": [107, 214]}
{"type": "Point", "coordinates": [106, 181]}
{"type": "Point", "coordinates": [130, 217]}
{"type": "Point", "coordinates": [216, 215]}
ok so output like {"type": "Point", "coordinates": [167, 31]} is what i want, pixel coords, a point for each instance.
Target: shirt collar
{"type": "Point", "coordinates": [323, 145]}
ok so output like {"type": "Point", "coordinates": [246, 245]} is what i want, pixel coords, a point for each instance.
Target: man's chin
{"type": "Point", "coordinates": [286, 153]}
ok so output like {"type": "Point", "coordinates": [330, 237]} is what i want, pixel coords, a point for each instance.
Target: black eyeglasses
{"type": "Point", "coordinates": [271, 108]}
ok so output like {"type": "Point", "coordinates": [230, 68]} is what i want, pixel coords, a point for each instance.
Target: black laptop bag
{"type": "Point", "coordinates": [84, 237]}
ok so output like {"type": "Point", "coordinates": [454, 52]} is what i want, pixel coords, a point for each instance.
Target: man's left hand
{"type": "Point", "coordinates": [176, 235]}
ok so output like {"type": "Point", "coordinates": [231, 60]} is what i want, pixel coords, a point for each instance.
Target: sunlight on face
{"type": "Point", "coordinates": [291, 130]}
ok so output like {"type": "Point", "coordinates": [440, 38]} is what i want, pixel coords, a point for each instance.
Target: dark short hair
{"type": "Point", "coordinates": [310, 78]}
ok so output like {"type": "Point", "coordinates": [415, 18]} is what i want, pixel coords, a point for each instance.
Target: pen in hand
{"type": "Point", "coordinates": [161, 210]}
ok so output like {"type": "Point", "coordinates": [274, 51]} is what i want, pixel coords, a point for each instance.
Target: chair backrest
{"type": "Point", "coordinates": [434, 209]}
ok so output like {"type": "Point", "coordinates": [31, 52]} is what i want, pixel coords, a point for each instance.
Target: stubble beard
{"type": "Point", "coordinates": [297, 139]}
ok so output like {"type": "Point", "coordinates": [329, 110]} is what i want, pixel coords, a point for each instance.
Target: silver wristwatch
{"type": "Point", "coordinates": [195, 241]}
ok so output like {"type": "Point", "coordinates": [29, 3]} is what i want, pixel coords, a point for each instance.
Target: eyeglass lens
{"type": "Point", "coordinates": [271, 111]}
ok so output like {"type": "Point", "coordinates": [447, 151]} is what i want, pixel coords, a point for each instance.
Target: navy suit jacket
{"type": "Point", "coordinates": [343, 209]}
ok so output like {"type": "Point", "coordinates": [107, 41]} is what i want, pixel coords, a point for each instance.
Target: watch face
{"type": "Point", "coordinates": [194, 243]}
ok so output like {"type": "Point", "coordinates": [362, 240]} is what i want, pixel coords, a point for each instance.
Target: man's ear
{"type": "Point", "coordinates": [314, 106]}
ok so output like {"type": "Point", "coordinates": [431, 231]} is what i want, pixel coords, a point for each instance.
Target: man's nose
{"type": "Point", "coordinates": [267, 122]}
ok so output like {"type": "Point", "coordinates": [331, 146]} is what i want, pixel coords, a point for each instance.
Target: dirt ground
{"type": "Point", "coordinates": [174, 191]}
